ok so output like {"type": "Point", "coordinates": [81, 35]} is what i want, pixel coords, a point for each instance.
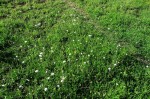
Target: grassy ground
{"type": "Point", "coordinates": [75, 49]}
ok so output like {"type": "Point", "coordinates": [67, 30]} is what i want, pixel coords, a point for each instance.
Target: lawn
{"type": "Point", "coordinates": [75, 49]}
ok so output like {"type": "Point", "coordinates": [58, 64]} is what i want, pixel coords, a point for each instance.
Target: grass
{"type": "Point", "coordinates": [75, 49]}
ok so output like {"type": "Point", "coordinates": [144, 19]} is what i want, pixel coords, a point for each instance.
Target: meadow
{"type": "Point", "coordinates": [75, 49]}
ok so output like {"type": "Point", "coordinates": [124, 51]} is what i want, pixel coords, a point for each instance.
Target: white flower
{"type": "Point", "coordinates": [23, 62]}
{"type": "Point", "coordinates": [3, 85]}
{"type": "Point", "coordinates": [118, 45]}
{"type": "Point", "coordinates": [64, 61]}
{"type": "Point", "coordinates": [45, 89]}
{"type": "Point", "coordinates": [36, 71]}
{"type": "Point", "coordinates": [37, 24]}
{"type": "Point", "coordinates": [115, 64]}
{"type": "Point", "coordinates": [116, 84]}
{"type": "Point", "coordinates": [147, 66]}
{"type": "Point", "coordinates": [25, 41]}
{"type": "Point", "coordinates": [90, 35]}
{"type": "Point", "coordinates": [58, 86]}
{"type": "Point", "coordinates": [108, 28]}
{"type": "Point", "coordinates": [52, 74]}
{"type": "Point", "coordinates": [20, 86]}
{"type": "Point", "coordinates": [109, 68]}
{"type": "Point", "coordinates": [40, 55]}
{"type": "Point", "coordinates": [62, 79]}
{"type": "Point", "coordinates": [48, 78]}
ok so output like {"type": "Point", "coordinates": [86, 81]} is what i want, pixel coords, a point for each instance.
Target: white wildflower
{"type": "Point", "coordinates": [116, 84]}
{"type": "Point", "coordinates": [90, 35]}
{"type": "Point", "coordinates": [40, 55]}
{"type": "Point", "coordinates": [48, 78]}
{"type": "Point", "coordinates": [115, 64]}
{"type": "Point", "coordinates": [20, 86]}
{"type": "Point", "coordinates": [52, 74]}
{"type": "Point", "coordinates": [58, 86]}
{"type": "Point", "coordinates": [36, 71]}
{"type": "Point", "coordinates": [62, 79]}
{"type": "Point", "coordinates": [45, 89]}
{"type": "Point", "coordinates": [64, 61]}
{"type": "Point", "coordinates": [37, 24]}
{"type": "Point", "coordinates": [109, 68]}
{"type": "Point", "coordinates": [23, 62]}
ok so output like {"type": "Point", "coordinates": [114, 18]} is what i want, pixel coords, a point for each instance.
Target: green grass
{"type": "Point", "coordinates": [75, 49]}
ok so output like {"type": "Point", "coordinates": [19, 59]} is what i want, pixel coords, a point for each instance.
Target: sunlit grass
{"type": "Point", "coordinates": [75, 49]}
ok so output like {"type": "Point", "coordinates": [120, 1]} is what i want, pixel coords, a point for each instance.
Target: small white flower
{"type": "Point", "coordinates": [37, 24]}
{"type": "Point", "coordinates": [36, 71]}
{"type": "Point", "coordinates": [3, 85]}
{"type": "Point", "coordinates": [25, 41]}
{"type": "Point", "coordinates": [52, 74]}
{"type": "Point", "coordinates": [64, 61]}
{"type": "Point", "coordinates": [40, 58]}
{"type": "Point", "coordinates": [52, 51]}
{"type": "Point", "coordinates": [23, 62]}
{"type": "Point", "coordinates": [116, 84]}
{"type": "Point", "coordinates": [20, 46]}
{"type": "Point", "coordinates": [58, 86]}
{"type": "Point", "coordinates": [90, 35]}
{"type": "Point", "coordinates": [109, 68]}
{"type": "Point", "coordinates": [27, 79]}
{"type": "Point", "coordinates": [40, 55]}
{"type": "Point", "coordinates": [108, 28]}
{"type": "Point", "coordinates": [115, 64]}
{"type": "Point", "coordinates": [62, 79]}
{"type": "Point", "coordinates": [84, 62]}
{"type": "Point", "coordinates": [118, 45]}
{"type": "Point", "coordinates": [69, 54]}
{"type": "Point", "coordinates": [45, 89]}
{"type": "Point", "coordinates": [147, 66]}
{"type": "Point", "coordinates": [48, 78]}
{"type": "Point", "coordinates": [20, 86]}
